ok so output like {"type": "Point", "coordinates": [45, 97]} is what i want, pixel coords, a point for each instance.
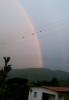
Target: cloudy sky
{"type": "Point", "coordinates": [51, 20]}
{"type": "Point", "coordinates": [18, 38]}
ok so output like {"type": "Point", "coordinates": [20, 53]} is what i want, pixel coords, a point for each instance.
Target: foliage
{"type": "Point", "coordinates": [12, 89]}
{"type": "Point", "coordinates": [17, 89]}
{"type": "Point", "coordinates": [53, 82]}
{"type": "Point", "coordinates": [3, 77]}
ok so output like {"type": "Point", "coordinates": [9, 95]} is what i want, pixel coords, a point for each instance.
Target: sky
{"type": "Point", "coordinates": [18, 38]}
{"type": "Point", "coordinates": [51, 20]}
{"type": "Point", "coordinates": [35, 33]}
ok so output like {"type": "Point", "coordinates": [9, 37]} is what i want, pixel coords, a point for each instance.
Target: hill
{"type": "Point", "coordinates": [39, 74]}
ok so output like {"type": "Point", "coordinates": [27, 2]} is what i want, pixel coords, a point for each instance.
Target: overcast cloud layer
{"type": "Point", "coordinates": [18, 38]}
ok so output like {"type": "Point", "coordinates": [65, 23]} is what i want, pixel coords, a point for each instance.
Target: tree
{"type": "Point", "coordinates": [7, 67]}
{"type": "Point", "coordinates": [17, 89]}
{"type": "Point", "coordinates": [3, 77]}
{"type": "Point", "coordinates": [54, 82]}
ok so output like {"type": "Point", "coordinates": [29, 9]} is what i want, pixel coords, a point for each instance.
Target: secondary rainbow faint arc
{"type": "Point", "coordinates": [33, 30]}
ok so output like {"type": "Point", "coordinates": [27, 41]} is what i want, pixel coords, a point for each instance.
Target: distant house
{"type": "Point", "coordinates": [49, 93]}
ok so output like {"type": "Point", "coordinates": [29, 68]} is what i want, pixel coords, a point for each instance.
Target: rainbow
{"type": "Point", "coordinates": [22, 42]}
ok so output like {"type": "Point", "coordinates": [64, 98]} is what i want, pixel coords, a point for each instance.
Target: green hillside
{"type": "Point", "coordinates": [39, 74]}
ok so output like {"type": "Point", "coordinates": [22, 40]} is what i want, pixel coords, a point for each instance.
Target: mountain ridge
{"type": "Point", "coordinates": [39, 74]}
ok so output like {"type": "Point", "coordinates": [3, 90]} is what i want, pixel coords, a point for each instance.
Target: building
{"type": "Point", "coordinates": [49, 93]}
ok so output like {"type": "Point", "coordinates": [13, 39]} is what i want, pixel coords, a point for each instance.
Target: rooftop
{"type": "Point", "coordinates": [57, 89]}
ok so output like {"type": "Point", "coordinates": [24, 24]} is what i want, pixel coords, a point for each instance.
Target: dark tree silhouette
{"type": "Point", "coordinates": [3, 77]}
{"type": "Point", "coordinates": [18, 89]}
{"type": "Point", "coordinates": [12, 89]}
{"type": "Point", "coordinates": [7, 67]}
{"type": "Point", "coordinates": [54, 82]}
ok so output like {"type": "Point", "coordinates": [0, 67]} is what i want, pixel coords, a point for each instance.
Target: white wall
{"type": "Point", "coordinates": [31, 95]}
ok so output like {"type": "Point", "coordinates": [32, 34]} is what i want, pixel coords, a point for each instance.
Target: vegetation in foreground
{"type": "Point", "coordinates": [12, 89]}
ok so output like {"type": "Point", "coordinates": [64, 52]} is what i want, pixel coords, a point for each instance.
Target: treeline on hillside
{"type": "Point", "coordinates": [54, 82]}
